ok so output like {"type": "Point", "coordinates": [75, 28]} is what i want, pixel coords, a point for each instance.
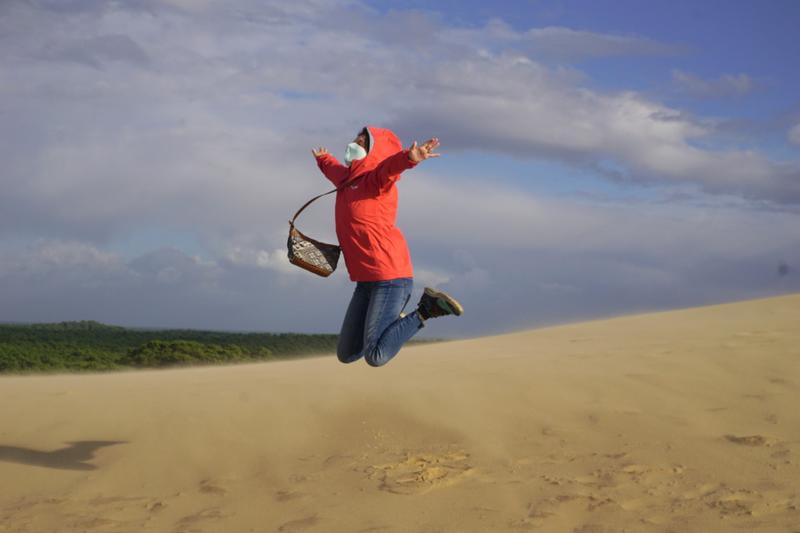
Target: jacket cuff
{"type": "Point", "coordinates": [411, 163]}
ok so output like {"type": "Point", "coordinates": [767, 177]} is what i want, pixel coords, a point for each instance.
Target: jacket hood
{"type": "Point", "coordinates": [382, 144]}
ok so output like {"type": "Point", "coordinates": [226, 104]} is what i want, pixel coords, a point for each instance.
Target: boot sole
{"type": "Point", "coordinates": [452, 302]}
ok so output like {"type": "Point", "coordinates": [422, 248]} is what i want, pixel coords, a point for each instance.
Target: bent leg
{"type": "Point", "coordinates": [385, 332]}
{"type": "Point", "coordinates": [351, 337]}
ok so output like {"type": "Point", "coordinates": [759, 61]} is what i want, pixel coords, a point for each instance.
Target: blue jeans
{"type": "Point", "coordinates": [372, 326]}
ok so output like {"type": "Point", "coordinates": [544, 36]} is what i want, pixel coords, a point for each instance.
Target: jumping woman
{"type": "Point", "coordinates": [374, 249]}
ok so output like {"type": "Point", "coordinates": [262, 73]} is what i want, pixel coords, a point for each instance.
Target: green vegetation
{"type": "Point", "coordinates": [168, 353]}
{"type": "Point", "coordinates": [90, 345]}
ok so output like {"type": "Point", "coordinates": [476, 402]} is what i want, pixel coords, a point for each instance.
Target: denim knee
{"type": "Point", "coordinates": [373, 357]}
{"type": "Point", "coordinates": [345, 355]}
{"type": "Point", "coordinates": [347, 359]}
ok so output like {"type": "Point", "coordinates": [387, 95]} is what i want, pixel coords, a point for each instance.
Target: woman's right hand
{"type": "Point", "coordinates": [319, 151]}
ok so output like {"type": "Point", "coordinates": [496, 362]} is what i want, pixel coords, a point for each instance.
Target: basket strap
{"type": "Point", "coordinates": [345, 184]}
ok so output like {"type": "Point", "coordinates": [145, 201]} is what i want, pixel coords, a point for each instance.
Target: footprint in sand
{"type": "Point", "coordinates": [759, 396]}
{"type": "Point", "coordinates": [94, 522]}
{"type": "Point", "coordinates": [556, 480]}
{"type": "Point", "coordinates": [752, 440]}
{"type": "Point", "coordinates": [287, 495]}
{"type": "Point", "coordinates": [732, 502]}
{"type": "Point", "coordinates": [650, 478]}
{"type": "Point", "coordinates": [589, 528]}
{"type": "Point", "coordinates": [301, 523]}
{"type": "Point", "coordinates": [155, 506]}
{"type": "Point", "coordinates": [741, 502]}
{"type": "Point", "coordinates": [640, 472]}
{"type": "Point", "coordinates": [188, 522]}
{"type": "Point", "coordinates": [417, 473]}
{"type": "Point", "coordinates": [562, 504]}
{"type": "Point", "coordinates": [783, 382]}
{"type": "Point", "coordinates": [207, 486]}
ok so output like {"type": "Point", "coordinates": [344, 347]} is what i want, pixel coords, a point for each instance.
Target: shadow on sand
{"type": "Point", "coordinates": [72, 457]}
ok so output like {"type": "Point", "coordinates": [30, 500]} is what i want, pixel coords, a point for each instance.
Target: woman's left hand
{"type": "Point", "coordinates": [423, 151]}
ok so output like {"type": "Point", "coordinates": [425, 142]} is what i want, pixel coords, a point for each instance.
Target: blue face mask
{"type": "Point", "coordinates": [354, 152]}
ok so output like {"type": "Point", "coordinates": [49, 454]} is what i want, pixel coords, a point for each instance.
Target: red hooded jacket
{"type": "Point", "coordinates": [366, 210]}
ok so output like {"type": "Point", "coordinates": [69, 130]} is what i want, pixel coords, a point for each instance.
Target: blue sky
{"type": "Point", "coordinates": [599, 157]}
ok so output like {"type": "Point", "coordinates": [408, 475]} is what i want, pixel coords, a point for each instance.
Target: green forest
{"type": "Point", "coordinates": [92, 346]}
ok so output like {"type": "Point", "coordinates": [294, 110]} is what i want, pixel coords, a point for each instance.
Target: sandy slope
{"type": "Point", "coordinates": [681, 421]}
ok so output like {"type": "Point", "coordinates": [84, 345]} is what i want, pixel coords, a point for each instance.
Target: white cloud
{"type": "Point", "coordinates": [794, 135]}
{"type": "Point", "coordinates": [725, 85]}
{"type": "Point", "coordinates": [212, 125]}
{"type": "Point", "coordinates": [46, 255]}
{"type": "Point", "coordinates": [49, 263]}
{"type": "Point", "coordinates": [191, 5]}
{"type": "Point", "coordinates": [476, 278]}
{"type": "Point", "coordinates": [513, 105]}
{"type": "Point", "coordinates": [430, 278]}
{"type": "Point", "coordinates": [557, 42]}
{"type": "Point", "coordinates": [98, 50]}
{"type": "Point", "coordinates": [567, 42]}
{"type": "Point", "coordinates": [276, 260]}
{"type": "Point", "coordinates": [501, 219]}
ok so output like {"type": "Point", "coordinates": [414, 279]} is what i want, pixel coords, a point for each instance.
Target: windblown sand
{"type": "Point", "coordinates": [684, 421]}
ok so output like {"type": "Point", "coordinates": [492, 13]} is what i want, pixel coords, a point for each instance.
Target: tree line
{"type": "Point", "coordinates": [91, 345]}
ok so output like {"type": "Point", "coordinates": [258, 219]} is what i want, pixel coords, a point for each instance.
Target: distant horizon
{"type": "Point", "coordinates": [156, 328]}
{"type": "Point", "coordinates": [421, 336]}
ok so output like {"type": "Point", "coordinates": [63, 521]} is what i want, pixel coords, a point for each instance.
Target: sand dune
{"type": "Point", "coordinates": [679, 421]}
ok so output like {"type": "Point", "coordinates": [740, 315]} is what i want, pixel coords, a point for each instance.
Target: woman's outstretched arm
{"type": "Point", "coordinates": [389, 170]}
{"type": "Point", "coordinates": [330, 166]}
